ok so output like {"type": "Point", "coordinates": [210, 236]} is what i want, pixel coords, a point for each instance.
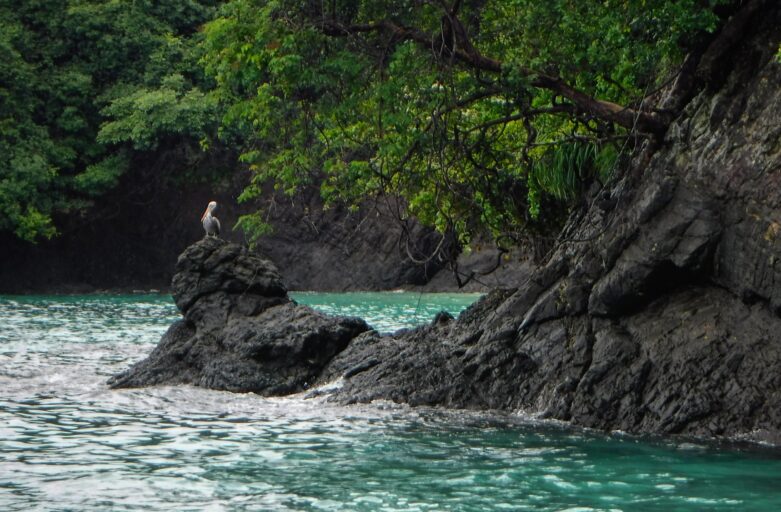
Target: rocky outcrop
{"type": "Point", "coordinates": [659, 310]}
{"type": "Point", "coordinates": [240, 331]}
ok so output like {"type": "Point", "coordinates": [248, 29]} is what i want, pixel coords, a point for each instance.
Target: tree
{"type": "Point", "coordinates": [484, 115]}
{"type": "Point", "coordinates": [83, 85]}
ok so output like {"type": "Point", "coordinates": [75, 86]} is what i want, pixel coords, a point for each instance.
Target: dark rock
{"type": "Point", "coordinates": [441, 318]}
{"type": "Point", "coordinates": [659, 314]}
{"type": "Point", "coordinates": [337, 249]}
{"type": "Point", "coordinates": [482, 268]}
{"type": "Point", "coordinates": [213, 265]}
{"type": "Point", "coordinates": [314, 248]}
{"type": "Point", "coordinates": [240, 331]}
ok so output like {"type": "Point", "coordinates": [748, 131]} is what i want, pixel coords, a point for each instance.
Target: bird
{"type": "Point", "coordinates": [210, 223]}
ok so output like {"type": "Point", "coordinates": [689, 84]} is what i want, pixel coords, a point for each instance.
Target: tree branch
{"type": "Point", "coordinates": [645, 122]}
{"type": "Point", "coordinates": [556, 109]}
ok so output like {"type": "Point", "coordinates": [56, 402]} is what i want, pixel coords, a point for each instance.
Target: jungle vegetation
{"type": "Point", "coordinates": [83, 85]}
{"type": "Point", "coordinates": [488, 117]}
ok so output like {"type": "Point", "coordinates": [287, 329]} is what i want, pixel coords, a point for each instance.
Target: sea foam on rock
{"type": "Point", "coordinates": [240, 331]}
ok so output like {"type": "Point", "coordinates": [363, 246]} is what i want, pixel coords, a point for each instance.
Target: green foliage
{"type": "Point", "coordinates": [314, 92]}
{"type": "Point", "coordinates": [253, 226]}
{"type": "Point", "coordinates": [32, 224]}
{"type": "Point", "coordinates": [70, 67]}
{"type": "Point", "coordinates": [365, 112]}
{"type": "Point", "coordinates": [143, 116]}
{"type": "Point", "coordinates": [565, 169]}
{"type": "Point", "coordinates": [102, 176]}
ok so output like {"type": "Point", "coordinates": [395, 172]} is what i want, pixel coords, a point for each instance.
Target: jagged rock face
{"type": "Point", "coordinates": [660, 309]}
{"type": "Point", "coordinates": [240, 330]}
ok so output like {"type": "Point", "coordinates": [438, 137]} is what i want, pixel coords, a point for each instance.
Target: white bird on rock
{"type": "Point", "coordinates": [210, 223]}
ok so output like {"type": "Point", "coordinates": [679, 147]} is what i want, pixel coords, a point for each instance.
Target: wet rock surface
{"type": "Point", "coordinates": [240, 331]}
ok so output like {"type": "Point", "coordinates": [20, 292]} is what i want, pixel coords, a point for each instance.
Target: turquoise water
{"type": "Point", "coordinates": [69, 443]}
{"type": "Point", "coordinates": [388, 311]}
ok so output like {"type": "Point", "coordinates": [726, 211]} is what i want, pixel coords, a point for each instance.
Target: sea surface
{"type": "Point", "coordinates": [67, 442]}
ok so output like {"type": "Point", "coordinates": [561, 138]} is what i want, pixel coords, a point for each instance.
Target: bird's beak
{"type": "Point", "coordinates": [204, 214]}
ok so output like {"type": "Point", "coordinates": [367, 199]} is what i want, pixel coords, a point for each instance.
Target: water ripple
{"type": "Point", "coordinates": [69, 443]}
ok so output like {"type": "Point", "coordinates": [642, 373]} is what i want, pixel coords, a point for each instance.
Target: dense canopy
{"type": "Point", "coordinates": [478, 113]}
{"type": "Point", "coordinates": [485, 116]}
{"type": "Point", "coordinates": [84, 84]}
